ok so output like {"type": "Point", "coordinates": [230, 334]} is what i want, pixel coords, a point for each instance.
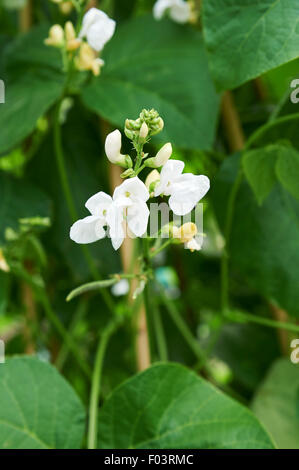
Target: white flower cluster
{"type": "Point", "coordinates": [128, 204]}
{"type": "Point", "coordinates": [97, 28]}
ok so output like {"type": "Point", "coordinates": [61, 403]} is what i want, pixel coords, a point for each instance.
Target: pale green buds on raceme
{"type": "Point", "coordinates": [153, 120]}
{"type": "Point", "coordinates": [151, 181]}
{"type": "Point", "coordinates": [56, 36]}
{"type": "Point", "coordinates": [148, 124]}
{"type": "Point", "coordinates": [161, 158]}
{"type": "Point", "coordinates": [113, 150]}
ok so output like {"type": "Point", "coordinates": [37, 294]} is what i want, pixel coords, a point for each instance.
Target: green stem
{"type": "Point", "coordinates": [162, 247]}
{"type": "Point", "coordinates": [242, 316]}
{"type": "Point", "coordinates": [261, 130]}
{"type": "Point", "coordinates": [227, 234]}
{"type": "Point", "coordinates": [146, 295]}
{"type": "Point", "coordinates": [96, 384]}
{"type": "Point", "coordinates": [184, 330]}
{"type": "Point", "coordinates": [53, 318]}
{"type": "Point", "coordinates": [61, 165]}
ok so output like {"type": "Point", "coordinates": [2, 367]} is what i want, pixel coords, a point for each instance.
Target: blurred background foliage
{"type": "Point", "coordinates": [185, 72]}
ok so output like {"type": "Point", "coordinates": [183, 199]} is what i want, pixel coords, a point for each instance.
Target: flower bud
{"type": "Point", "coordinates": [88, 60]}
{"type": "Point", "coordinates": [130, 134]}
{"type": "Point", "coordinates": [151, 180]}
{"type": "Point", "coordinates": [113, 148]}
{"type": "Point", "coordinates": [161, 158]}
{"type": "Point", "coordinates": [187, 232]}
{"type": "Point", "coordinates": [69, 30]}
{"type": "Point", "coordinates": [56, 36]}
{"type": "Point", "coordinates": [143, 131]}
{"type": "Point", "coordinates": [128, 173]}
{"type": "Point", "coordinates": [66, 8]}
{"type": "Point", "coordinates": [72, 43]}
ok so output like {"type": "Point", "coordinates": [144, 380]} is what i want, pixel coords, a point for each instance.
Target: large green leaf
{"type": "Point", "coordinates": [276, 404]}
{"type": "Point", "coordinates": [264, 245]}
{"type": "Point", "coordinates": [25, 102]}
{"type": "Point", "coordinates": [39, 409]}
{"type": "Point", "coordinates": [19, 200]}
{"type": "Point", "coordinates": [246, 38]}
{"type": "Point", "coordinates": [169, 407]}
{"type": "Point", "coordinates": [33, 84]}
{"type": "Point", "coordinates": [160, 65]}
{"type": "Point", "coordinates": [287, 170]}
{"type": "Point", "coordinates": [259, 168]}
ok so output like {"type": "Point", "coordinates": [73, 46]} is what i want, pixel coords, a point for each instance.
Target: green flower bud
{"type": "Point", "coordinates": [128, 173]}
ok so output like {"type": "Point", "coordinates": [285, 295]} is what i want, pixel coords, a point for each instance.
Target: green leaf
{"type": "Point", "coordinates": [169, 407]}
{"type": "Point", "coordinates": [246, 38]}
{"type": "Point", "coordinates": [33, 82]}
{"type": "Point", "coordinates": [39, 409]}
{"type": "Point", "coordinates": [19, 200]}
{"type": "Point", "coordinates": [25, 102]}
{"type": "Point", "coordinates": [264, 245]}
{"type": "Point", "coordinates": [287, 170]}
{"type": "Point", "coordinates": [259, 168]}
{"type": "Point", "coordinates": [161, 65]}
{"type": "Point", "coordinates": [275, 404]}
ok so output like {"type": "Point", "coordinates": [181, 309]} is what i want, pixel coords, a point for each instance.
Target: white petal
{"type": "Point", "coordinates": [187, 191]}
{"type": "Point", "coordinates": [203, 183]}
{"type": "Point", "coordinates": [160, 8]}
{"type": "Point", "coordinates": [180, 12]}
{"type": "Point", "coordinates": [132, 188]}
{"type": "Point", "coordinates": [137, 218]}
{"type": "Point", "coordinates": [113, 145]}
{"type": "Point", "coordinates": [93, 15]}
{"type": "Point", "coordinates": [193, 245]}
{"type": "Point", "coordinates": [100, 33]}
{"type": "Point", "coordinates": [98, 28]}
{"type": "Point", "coordinates": [98, 204]}
{"type": "Point", "coordinates": [169, 174]}
{"type": "Point", "coordinates": [181, 206]}
{"type": "Point", "coordinates": [115, 218]}
{"type": "Point", "coordinates": [87, 230]}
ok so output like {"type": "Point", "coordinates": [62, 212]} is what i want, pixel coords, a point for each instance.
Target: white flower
{"type": "Point", "coordinates": [132, 194]}
{"type": "Point", "coordinates": [98, 28]}
{"type": "Point", "coordinates": [179, 10]}
{"type": "Point", "coordinates": [113, 148]}
{"type": "Point", "coordinates": [91, 229]}
{"type": "Point", "coordinates": [185, 190]}
{"type": "Point", "coordinates": [128, 199]}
